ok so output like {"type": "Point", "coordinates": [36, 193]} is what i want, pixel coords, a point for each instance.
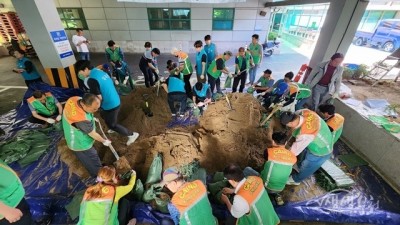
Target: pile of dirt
{"type": "Point", "coordinates": [222, 136]}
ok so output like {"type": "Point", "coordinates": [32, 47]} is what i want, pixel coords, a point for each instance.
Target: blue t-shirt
{"type": "Point", "coordinates": [211, 51]}
{"type": "Point", "coordinates": [22, 64]}
{"type": "Point", "coordinates": [110, 97]}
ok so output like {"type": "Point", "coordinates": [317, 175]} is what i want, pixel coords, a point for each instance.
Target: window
{"type": "Point", "coordinates": [223, 19]}
{"type": "Point", "coordinates": [169, 19]}
{"type": "Point", "coordinates": [72, 18]}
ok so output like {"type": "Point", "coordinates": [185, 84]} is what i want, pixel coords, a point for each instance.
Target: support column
{"type": "Point", "coordinates": [46, 32]}
{"type": "Point", "coordinates": [342, 20]}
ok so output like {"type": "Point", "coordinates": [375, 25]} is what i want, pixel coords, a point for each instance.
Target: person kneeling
{"type": "Point", "coordinates": [201, 96]}
{"type": "Point", "coordinates": [175, 87]}
{"type": "Point", "coordinates": [44, 108]}
{"type": "Point", "coordinates": [102, 203]}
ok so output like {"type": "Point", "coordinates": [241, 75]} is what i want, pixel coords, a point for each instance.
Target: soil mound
{"type": "Point", "coordinates": [222, 136]}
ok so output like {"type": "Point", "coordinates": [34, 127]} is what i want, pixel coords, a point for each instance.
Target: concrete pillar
{"type": "Point", "coordinates": [339, 28]}
{"type": "Point", "coordinates": [46, 32]}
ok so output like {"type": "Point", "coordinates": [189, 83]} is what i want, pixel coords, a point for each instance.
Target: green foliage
{"type": "Point", "coordinates": [272, 35]}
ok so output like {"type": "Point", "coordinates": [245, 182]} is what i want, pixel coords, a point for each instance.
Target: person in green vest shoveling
{"type": "Point", "coordinates": [103, 203]}
{"type": "Point", "coordinates": [45, 108]}
{"type": "Point", "coordinates": [242, 65]}
{"type": "Point", "coordinates": [251, 203]}
{"type": "Point", "coordinates": [215, 70]}
{"type": "Point", "coordinates": [335, 121]}
{"type": "Point", "coordinates": [312, 135]}
{"type": "Point", "coordinates": [115, 57]}
{"type": "Point", "coordinates": [80, 130]}
{"type": "Point", "coordinates": [189, 204]}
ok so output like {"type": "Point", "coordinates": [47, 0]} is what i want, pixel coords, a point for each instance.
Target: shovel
{"type": "Point", "coordinates": [122, 164]}
{"type": "Point", "coordinates": [274, 110]}
{"type": "Point", "coordinates": [228, 101]}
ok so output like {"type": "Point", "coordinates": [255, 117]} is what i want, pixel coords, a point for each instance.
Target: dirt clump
{"type": "Point", "coordinates": [221, 137]}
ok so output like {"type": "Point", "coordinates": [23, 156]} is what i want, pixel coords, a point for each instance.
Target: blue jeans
{"type": "Point", "coordinates": [248, 171]}
{"type": "Point", "coordinates": [253, 73]}
{"type": "Point", "coordinates": [84, 55]}
{"type": "Point", "coordinates": [300, 103]}
{"type": "Point", "coordinates": [177, 97]}
{"type": "Point", "coordinates": [309, 165]}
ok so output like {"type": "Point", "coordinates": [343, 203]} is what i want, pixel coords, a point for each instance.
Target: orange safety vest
{"type": "Point", "coordinates": [335, 122]}
{"type": "Point", "coordinates": [311, 124]}
{"type": "Point", "coordinates": [281, 155]}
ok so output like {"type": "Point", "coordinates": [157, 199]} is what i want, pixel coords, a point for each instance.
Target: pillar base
{"type": "Point", "coordinates": [62, 77]}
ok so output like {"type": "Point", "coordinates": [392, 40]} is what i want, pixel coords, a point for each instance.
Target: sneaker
{"type": "Point", "coordinates": [110, 131]}
{"type": "Point", "coordinates": [279, 200]}
{"type": "Point", "coordinates": [292, 182]}
{"type": "Point", "coordinates": [132, 138]}
{"type": "Point", "coordinates": [173, 114]}
{"type": "Point", "coordinates": [126, 80]}
{"type": "Point", "coordinates": [116, 82]}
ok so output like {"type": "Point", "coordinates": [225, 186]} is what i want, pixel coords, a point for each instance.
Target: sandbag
{"type": "Point", "coordinates": [155, 170]}
{"type": "Point", "coordinates": [228, 82]}
{"type": "Point", "coordinates": [138, 190]}
{"type": "Point", "coordinates": [160, 202]}
{"type": "Point", "coordinates": [74, 206]}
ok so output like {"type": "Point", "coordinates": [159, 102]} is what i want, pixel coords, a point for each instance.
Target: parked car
{"type": "Point", "coordinates": [386, 36]}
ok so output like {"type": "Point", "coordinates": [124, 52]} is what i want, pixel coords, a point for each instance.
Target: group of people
{"type": "Point", "coordinates": [314, 130]}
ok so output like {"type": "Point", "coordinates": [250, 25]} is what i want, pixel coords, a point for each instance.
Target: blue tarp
{"type": "Point", "coordinates": [50, 185]}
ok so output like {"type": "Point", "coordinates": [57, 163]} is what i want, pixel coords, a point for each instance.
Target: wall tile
{"type": "Point", "coordinates": [115, 13]}
{"type": "Point", "coordinates": [181, 35]}
{"type": "Point", "coordinates": [90, 3]}
{"type": "Point", "coordinates": [118, 25]}
{"type": "Point", "coordinates": [245, 14]}
{"type": "Point", "coordinates": [222, 35]}
{"type": "Point", "coordinates": [94, 13]}
{"type": "Point", "coordinates": [97, 24]}
{"type": "Point", "coordinates": [136, 13]}
{"type": "Point", "coordinates": [243, 25]}
{"type": "Point", "coordinates": [201, 25]}
{"type": "Point", "coordinates": [140, 36]}
{"type": "Point", "coordinates": [120, 35]}
{"type": "Point", "coordinates": [135, 5]}
{"type": "Point", "coordinates": [242, 36]}
{"type": "Point", "coordinates": [112, 3]}
{"type": "Point", "coordinates": [138, 25]}
{"type": "Point", "coordinates": [160, 35]}
{"type": "Point", "coordinates": [248, 4]}
{"type": "Point", "coordinates": [103, 35]}
{"type": "Point", "coordinates": [201, 13]}
{"type": "Point", "coordinates": [69, 3]}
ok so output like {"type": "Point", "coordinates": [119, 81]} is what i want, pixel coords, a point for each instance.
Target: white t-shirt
{"type": "Point", "coordinates": [81, 48]}
{"type": "Point", "coordinates": [240, 206]}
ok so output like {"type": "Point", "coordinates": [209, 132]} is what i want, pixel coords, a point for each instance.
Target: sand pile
{"type": "Point", "coordinates": [222, 136]}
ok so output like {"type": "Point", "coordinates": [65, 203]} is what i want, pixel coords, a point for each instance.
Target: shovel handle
{"type": "Point", "coordinates": [275, 109]}
{"type": "Point", "coordinates": [110, 146]}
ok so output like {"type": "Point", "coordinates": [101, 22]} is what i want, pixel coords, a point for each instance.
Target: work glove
{"type": "Point", "coordinates": [58, 118]}
{"type": "Point", "coordinates": [202, 76]}
{"type": "Point", "coordinates": [200, 104]}
{"type": "Point", "coordinates": [95, 119]}
{"type": "Point", "coordinates": [230, 75]}
{"type": "Point", "coordinates": [107, 143]}
{"type": "Point", "coordinates": [50, 121]}
{"type": "Point", "coordinates": [157, 71]}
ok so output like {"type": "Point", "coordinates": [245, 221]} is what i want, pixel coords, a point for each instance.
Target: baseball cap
{"type": "Point", "coordinates": [169, 175]}
{"type": "Point", "coordinates": [287, 117]}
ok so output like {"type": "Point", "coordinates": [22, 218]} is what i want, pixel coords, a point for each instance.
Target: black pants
{"type": "Point", "coordinates": [242, 78]}
{"type": "Point", "coordinates": [26, 218]}
{"type": "Point", "coordinates": [123, 211]}
{"type": "Point", "coordinates": [90, 160]}
{"type": "Point", "coordinates": [214, 82]}
{"type": "Point", "coordinates": [188, 87]}
{"type": "Point", "coordinates": [177, 97]}
{"type": "Point", "coordinates": [259, 91]}
{"type": "Point", "coordinates": [111, 118]}
{"type": "Point", "coordinates": [33, 119]}
{"type": "Point", "coordinates": [29, 82]}
{"type": "Point", "coordinates": [148, 76]}
{"type": "Point", "coordinates": [270, 98]}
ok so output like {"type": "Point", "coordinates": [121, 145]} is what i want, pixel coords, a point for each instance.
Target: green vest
{"type": "Point", "coordinates": [212, 69]}
{"type": "Point", "coordinates": [255, 52]}
{"type": "Point", "coordinates": [114, 55]}
{"type": "Point", "coordinates": [193, 205]}
{"type": "Point", "coordinates": [12, 192]}
{"type": "Point", "coordinates": [247, 56]}
{"type": "Point", "coordinates": [73, 113]}
{"type": "Point", "coordinates": [48, 110]}
{"type": "Point", "coordinates": [304, 91]}
{"type": "Point", "coordinates": [277, 169]}
{"type": "Point", "coordinates": [98, 211]}
{"type": "Point", "coordinates": [261, 210]}
{"type": "Point", "coordinates": [316, 126]}
{"type": "Point", "coordinates": [188, 69]}
{"type": "Point", "coordinates": [335, 123]}
{"type": "Point", "coordinates": [264, 81]}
